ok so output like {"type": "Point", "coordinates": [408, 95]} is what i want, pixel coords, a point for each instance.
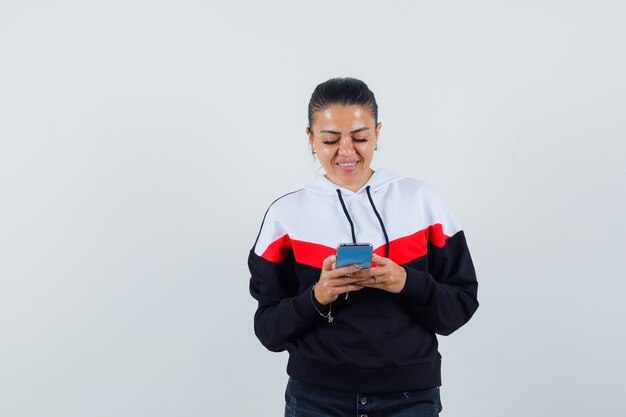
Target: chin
{"type": "Point", "coordinates": [348, 181]}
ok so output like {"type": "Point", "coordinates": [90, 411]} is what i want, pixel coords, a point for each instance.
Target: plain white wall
{"type": "Point", "coordinates": [142, 141]}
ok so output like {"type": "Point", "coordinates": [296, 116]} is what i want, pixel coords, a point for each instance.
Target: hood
{"type": "Point", "coordinates": [380, 179]}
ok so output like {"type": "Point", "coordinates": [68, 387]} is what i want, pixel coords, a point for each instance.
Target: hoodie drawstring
{"type": "Point", "coordinates": [380, 220]}
{"type": "Point", "coordinates": [345, 210]}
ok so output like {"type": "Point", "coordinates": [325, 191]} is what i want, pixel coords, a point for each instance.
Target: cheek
{"type": "Point", "coordinates": [366, 150]}
{"type": "Point", "coordinates": [326, 155]}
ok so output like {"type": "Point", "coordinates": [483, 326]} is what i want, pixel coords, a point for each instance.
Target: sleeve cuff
{"type": "Point", "coordinates": [305, 304]}
{"type": "Point", "coordinates": [417, 286]}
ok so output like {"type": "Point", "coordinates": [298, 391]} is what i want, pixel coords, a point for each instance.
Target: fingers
{"type": "Point", "coordinates": [336, 281]}
{"type": "Point", "coordinates": [385, 275]}
{"type": "Point", "coordinates": [327, 290]}
{"type": "Point", "coordinates": [343, 281]}
{"type": "Point", "coordinates": [348, 271]}
{"type": "Point", "coordinates": [329, 265]}
{"type": "Point", "coordinates": [378, 270]}
{"type": "Point", "coordinates": [375, 281]}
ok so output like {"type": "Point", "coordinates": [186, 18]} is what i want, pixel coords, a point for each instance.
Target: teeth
{"type": "Point", "coordinates": [347, 164]}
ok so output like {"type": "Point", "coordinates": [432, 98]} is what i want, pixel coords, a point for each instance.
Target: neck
{"type": "Point", "coordinates": [356, 187]}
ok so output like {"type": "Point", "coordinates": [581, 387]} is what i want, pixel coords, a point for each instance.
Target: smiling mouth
{"type": "Point", "coordinates": [347, 166]}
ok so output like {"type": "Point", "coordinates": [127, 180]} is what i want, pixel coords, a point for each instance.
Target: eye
{"type": "Point", "coordinates": [360, 140]}
{"type": "Point", "coordinates": [330, 142]}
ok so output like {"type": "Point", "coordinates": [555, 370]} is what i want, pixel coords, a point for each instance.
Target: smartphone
{"type": "Point", "coordinates": [354, 253]}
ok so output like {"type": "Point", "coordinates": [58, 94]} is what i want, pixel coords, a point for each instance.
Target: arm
{"type": "Point", "coordinates": [443, 298]}
{"type": "Point", "coordinates": [282, 314]}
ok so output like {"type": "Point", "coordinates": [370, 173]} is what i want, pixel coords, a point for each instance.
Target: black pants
{"type": "Point", "coordinates": [304, 400]}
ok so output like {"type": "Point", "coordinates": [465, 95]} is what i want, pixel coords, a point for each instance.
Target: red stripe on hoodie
{"type": "Point", "coordinates": [401, 250]}
{"type": "Point", "coordinates": [277, 250]}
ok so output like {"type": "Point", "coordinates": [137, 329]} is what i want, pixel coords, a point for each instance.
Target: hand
{"type": "Point", "coordinates": [387, 275]}
{"type": "Point", "coordinates": [334, 282]}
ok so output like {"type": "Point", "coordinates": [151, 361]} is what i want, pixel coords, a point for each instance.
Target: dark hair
{"type": "Point", "coordinates": [342, 91]}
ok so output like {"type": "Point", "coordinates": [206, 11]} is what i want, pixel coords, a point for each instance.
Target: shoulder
{"type": "Point", "coordinates": [384, 178]}
{"type": "Point", "coordinates": [421, 197]}
{"type": "Point", "coordinates": [284, 204]}
{"type": "Point", "coordinates": [277, 214]}
{"type": "Point", "coordinates": [418, 190]}
{"type": "Point", "coordinates": [415, 184]}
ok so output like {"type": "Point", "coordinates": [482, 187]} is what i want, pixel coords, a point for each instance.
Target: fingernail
{"type": "Point", "coordinates": [357, 266]}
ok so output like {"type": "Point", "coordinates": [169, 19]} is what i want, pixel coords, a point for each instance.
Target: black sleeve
{"type": "Point", "coordinates": [283, 313]}
{"type": "Point", "coordinates": [443, 298]}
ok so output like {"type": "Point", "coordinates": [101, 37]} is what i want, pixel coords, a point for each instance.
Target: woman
{"type": "Point", "coordinates": [373, 352]}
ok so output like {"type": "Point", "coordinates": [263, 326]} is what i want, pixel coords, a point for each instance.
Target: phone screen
{"type": "Point", "coordinates": [354, 253]}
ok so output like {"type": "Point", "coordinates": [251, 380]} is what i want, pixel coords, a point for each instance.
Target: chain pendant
{"type": "Point", "coordinates": [330, 318]}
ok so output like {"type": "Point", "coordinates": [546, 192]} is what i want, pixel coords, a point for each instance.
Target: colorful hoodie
{"type": "Point", "coordinates": [378, 341]}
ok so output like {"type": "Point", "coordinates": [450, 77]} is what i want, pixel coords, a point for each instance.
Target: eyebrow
{"type": "Point", "coordinates": [334, 132]}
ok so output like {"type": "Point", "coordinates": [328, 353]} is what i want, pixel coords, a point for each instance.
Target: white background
{"type": "Point", "coordinates": [142, 141]}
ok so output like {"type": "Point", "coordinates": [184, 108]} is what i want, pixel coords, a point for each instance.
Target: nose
{"type": "Point", "coordinates": [346, 147]}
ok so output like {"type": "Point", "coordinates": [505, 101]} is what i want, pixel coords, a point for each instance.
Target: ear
{"type": "Point", "coordinates": [379, 126]}
{"type": "Point", "coordinates": [309, 133]}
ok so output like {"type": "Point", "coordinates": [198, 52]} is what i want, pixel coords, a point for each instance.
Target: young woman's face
{"type": "Point", "coordinates": [344, 138]}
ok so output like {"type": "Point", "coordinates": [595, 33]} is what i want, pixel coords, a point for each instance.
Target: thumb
{"type": "Point", "coordinates": [328, 263]}
{"type": "Point", "coordinates": [379, 260]}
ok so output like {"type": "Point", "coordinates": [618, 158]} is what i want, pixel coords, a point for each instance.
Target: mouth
{"type": "Point", "coordinates": [347, 166]}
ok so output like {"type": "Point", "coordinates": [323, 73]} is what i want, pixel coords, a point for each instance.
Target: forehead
{"type": "Point", "coordinates": [343, 118]}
